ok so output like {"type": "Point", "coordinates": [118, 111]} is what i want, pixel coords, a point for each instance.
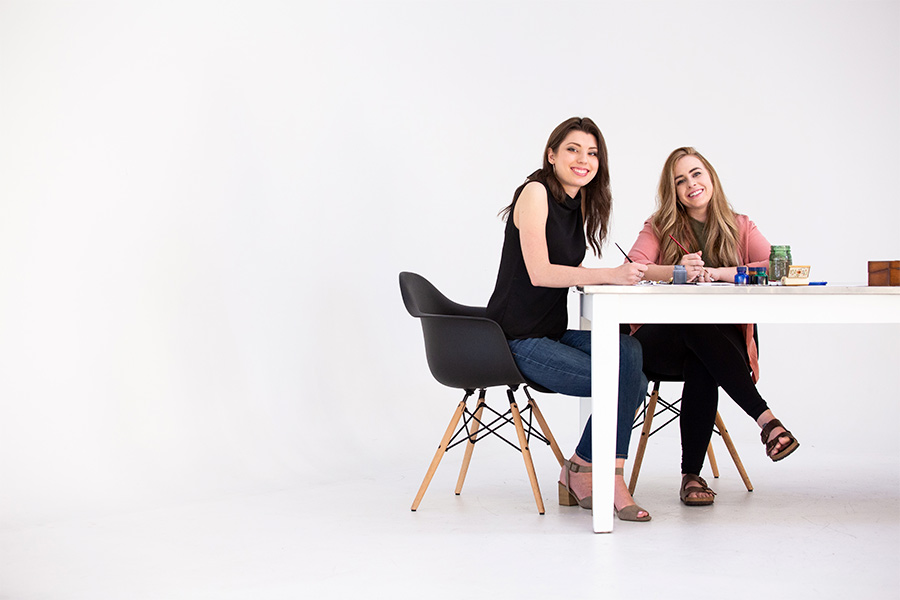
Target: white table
{"type": "Point", "coordinates": [603, 307]}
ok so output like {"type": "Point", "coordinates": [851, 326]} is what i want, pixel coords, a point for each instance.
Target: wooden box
{"type": "Point", "coordinates": [884, 272]}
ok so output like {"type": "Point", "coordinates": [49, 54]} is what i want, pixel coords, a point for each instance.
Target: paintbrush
{"type": "Point", "coordinates": [623, 252]}
{"type": "Point", "coordinates": [686, 251]}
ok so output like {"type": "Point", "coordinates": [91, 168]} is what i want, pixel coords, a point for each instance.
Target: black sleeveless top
{"type": "Point", "coordinates": [523, 310]}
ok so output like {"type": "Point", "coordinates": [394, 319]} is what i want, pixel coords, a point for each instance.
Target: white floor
{"type": "Point", "coordinates": [817, 525]}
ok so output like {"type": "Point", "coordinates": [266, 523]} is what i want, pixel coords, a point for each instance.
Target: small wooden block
{"type": "Point", "coordinates": [797, 275]}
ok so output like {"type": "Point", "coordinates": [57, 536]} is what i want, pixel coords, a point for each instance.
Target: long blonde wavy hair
{"type": "Point", "coordinates": [671, 217]}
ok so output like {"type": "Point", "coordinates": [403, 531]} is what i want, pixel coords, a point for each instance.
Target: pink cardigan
{"type": "Point", "coordinates": [753, 248]}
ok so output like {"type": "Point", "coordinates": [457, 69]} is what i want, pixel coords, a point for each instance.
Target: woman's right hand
{"type": "Point", "coordinates": [629, 273]}
{"type": "Point", "coordinates": [693, 264]}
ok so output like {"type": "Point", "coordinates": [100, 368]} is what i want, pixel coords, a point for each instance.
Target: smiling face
{"type": "Point", "coordinates": [576, 161]}
{"type": "Point", "coordinates": [693, 186]}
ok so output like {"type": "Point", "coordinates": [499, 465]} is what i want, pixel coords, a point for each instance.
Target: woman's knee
{"type": "Point", "coordinates": [700, 333]}
{"type": "Point", "coordinates": [630, 352]}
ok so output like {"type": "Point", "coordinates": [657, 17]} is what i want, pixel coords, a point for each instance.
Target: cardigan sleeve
{"type": "Point", "coordinates": [755, 253]}
{"type": "Point", "coordinates": [646, 247]}
{"type": "Point", "coordinates": [754, 245]}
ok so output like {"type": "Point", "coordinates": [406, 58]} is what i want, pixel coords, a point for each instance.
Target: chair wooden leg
{"type": "Point", "coordinates": [470, 446]}
{"type": "Point", "coordinates": [645, 435]}
{"type": "Point", "coordinates": [712, 460]}
{"type": "Point", "coordinates": [726, 437]}
{"type": "Point", "coordinates": [440, 452]}
{"type": "Point", "coordinates": [546, 430]}
{"type": "Point", "coordinates": [526, 453]}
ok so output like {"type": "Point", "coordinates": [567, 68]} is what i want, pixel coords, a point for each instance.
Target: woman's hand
{"type": "Point", "coordinates": [707, 276]}
{"type": "Point", "coordinates": [627, 274]}
{"type": "Point", "coordinates": [722, 274]}
{"type": "Point", "coordinates": [693, 265]}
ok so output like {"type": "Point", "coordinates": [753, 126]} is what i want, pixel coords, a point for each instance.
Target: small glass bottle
{"type": "Point", "coordinates": [741, 277]}
{"type": "Point", "coordinates": [779, 261]}
{"type": "Point", "coordinates": [762, 276]}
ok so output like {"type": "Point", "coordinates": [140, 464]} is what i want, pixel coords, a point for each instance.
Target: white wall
{"type": "Point", "coordinates": [205, 206]}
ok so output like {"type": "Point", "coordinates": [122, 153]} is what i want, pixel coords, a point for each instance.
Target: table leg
{"type": "Point", "coordinates": [604, 394]}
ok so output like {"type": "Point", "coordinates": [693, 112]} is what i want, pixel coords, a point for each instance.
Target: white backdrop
{"type": "Point", "coordinates": [205, 206]}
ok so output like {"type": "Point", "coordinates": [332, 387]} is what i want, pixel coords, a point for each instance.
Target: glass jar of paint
{"type": "Point", "coordinates": [779, 261]}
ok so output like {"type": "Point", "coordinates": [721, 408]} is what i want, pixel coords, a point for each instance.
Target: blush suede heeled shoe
{"type": "Point", "coordinates": [630, 512]}
{"type": "Point", "coordinates": [566, 496]}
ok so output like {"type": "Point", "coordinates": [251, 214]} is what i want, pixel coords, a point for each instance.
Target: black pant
{"type": "Point", "coordinates": [705, 357]}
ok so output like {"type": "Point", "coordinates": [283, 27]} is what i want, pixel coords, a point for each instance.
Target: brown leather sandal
{"type": "Point", "coordinates": [792, 445]}
{"type": "Point", "coordinates": [686, 492]}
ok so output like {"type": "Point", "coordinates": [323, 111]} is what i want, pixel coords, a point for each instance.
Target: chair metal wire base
{"type": "Point", "coordinates": [664, 406]}
{"type": "Point", "coordinates": [475, 428]}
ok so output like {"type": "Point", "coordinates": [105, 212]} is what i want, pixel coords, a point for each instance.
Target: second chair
{"type": "Point", "coordinates": [654, 406]}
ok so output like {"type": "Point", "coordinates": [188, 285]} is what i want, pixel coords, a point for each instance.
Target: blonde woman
{"type": "Point", "coordinates": [693, 209]}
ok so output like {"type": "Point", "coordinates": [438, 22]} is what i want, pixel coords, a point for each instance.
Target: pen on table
{"type": "Point", "coordinates": [686, 251]}
{"type": "Point", "coordinates": [623, 252]}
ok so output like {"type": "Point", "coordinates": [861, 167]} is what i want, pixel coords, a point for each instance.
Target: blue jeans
{"type": "Point", "coordinates": [564, 366]}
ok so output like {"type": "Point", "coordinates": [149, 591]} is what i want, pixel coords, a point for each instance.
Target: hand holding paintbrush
{"type": "Point", "coordinates": [693, 263]}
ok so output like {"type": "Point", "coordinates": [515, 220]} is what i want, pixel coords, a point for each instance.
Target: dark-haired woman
{"type": "Point", "coordinates": [543, 250]}
{"type": "Point", "coordinates": [693, 209]}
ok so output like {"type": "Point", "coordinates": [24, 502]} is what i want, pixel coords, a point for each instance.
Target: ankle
{"type": "Point", "coordinates": [764, 418]}
{"type": "Point", "coordinates": [622, 497]}
{"type": "Point", "coordinates": [579, 461]}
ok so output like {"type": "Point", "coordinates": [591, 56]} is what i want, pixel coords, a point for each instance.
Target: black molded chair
{"type": "Point", "coordinates": [644, 419]}
{"type": "Point", "coordinates": [466, 350]}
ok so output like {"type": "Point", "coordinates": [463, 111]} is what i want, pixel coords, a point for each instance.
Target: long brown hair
{"type": "Point", "coordinates": [596, 196]}
{"type": "Point", "coordinates": [671, 218]}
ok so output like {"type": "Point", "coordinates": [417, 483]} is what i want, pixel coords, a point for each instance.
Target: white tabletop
{"type": "Point", "coordinates": [726, 288]}
{"type": "Point", "coordinates": [748, 303]}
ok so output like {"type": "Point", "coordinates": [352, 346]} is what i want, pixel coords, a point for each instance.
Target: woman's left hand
{"type": "Point", "coordinates": [709, 274]}
{"type": "Point", "coordinates": [693, 264]}
{"type": "Point", "coordinates": [704, 276]}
